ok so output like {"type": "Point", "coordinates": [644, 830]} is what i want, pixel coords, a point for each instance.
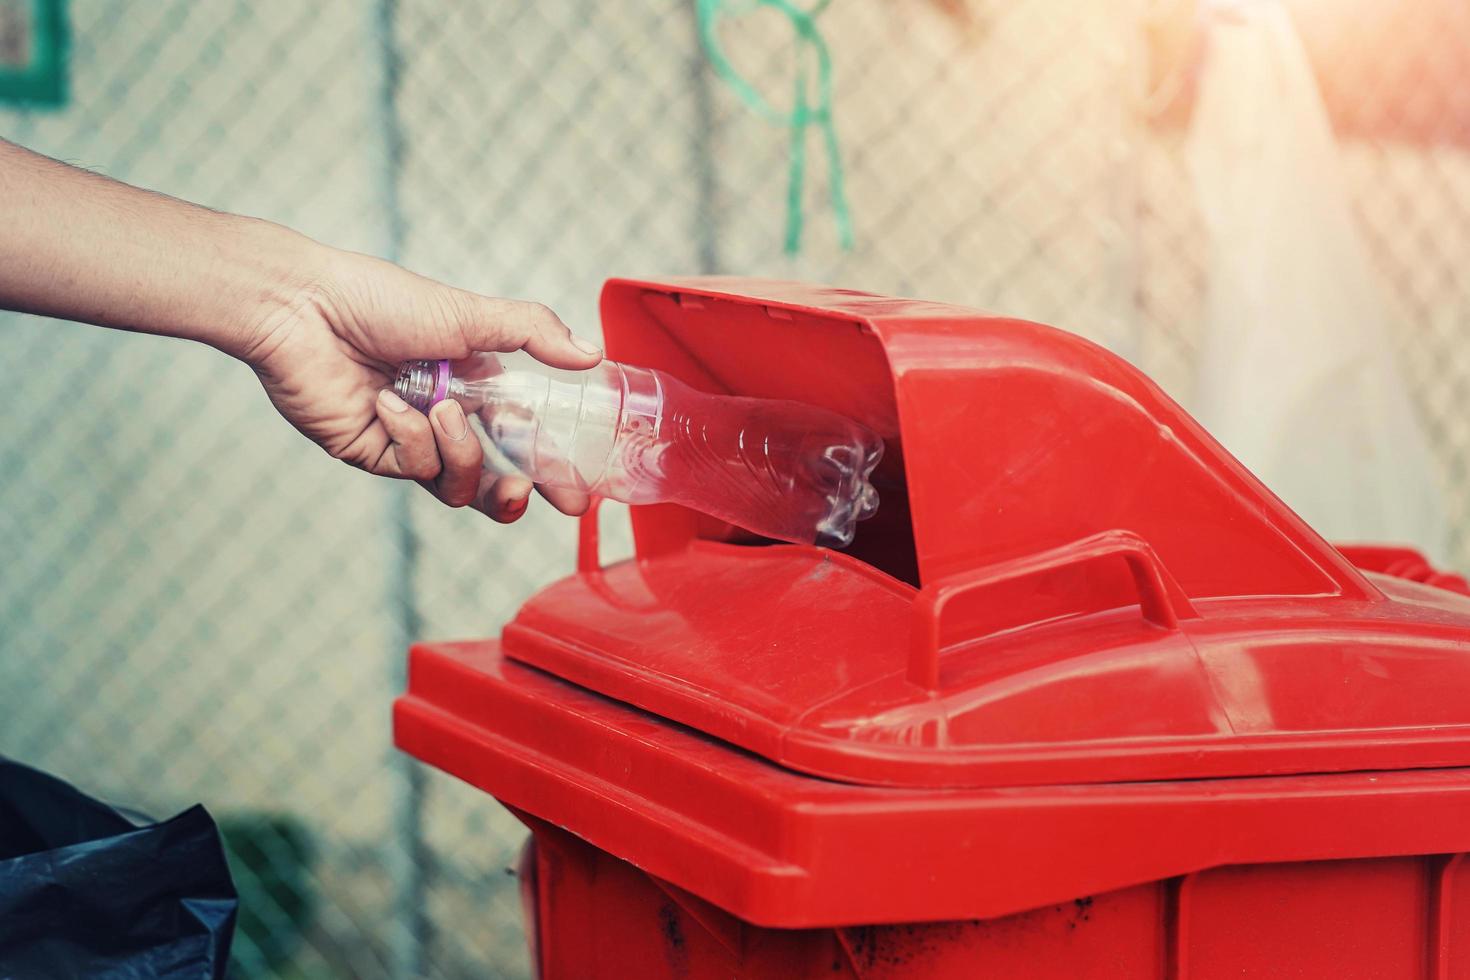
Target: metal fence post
{"type": "Point", "coordinates": [404, 855]}
{"type": "Point", "coordinates": [702, 150]}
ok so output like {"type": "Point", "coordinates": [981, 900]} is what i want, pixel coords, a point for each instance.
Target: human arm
{"type": "Point", "coordinates": [322, 328]}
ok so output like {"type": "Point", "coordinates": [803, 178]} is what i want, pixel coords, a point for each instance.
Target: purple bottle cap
{"type": "Point", "coordinates": [423, 384]}
{"type": "Point", "coordinates": [441, 383]}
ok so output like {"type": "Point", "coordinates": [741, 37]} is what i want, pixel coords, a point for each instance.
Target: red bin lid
{"type": "Point", "coordinates": [1069, 581]}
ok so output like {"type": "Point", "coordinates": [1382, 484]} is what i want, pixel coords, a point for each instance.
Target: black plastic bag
{"type": "Point", "coordinates": [86, 892]}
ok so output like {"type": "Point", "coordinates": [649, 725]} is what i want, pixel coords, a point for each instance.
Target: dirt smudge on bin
{"type": "Point", "coordinates": [675, 942]}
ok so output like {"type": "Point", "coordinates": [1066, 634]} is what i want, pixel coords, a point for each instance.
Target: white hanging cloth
{"type": "Point", "coordinates": [1297, 375]}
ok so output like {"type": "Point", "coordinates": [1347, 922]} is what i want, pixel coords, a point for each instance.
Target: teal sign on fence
{"type": "Point", "coordinates": [33, 46]}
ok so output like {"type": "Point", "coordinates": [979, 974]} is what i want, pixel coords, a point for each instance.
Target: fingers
{"type": "Point", "coordinates": [411, 452]}
{"type": "Point", "coordinates": [440, 451]}
{"type": "Point", "coordinates": [390, 314]}
{"type": "Point", "coordinates": [506, 325]}
{"type": "Point", "coordinates": [460, 456]}
{"type": "Point", "coordinates": [505, 499]}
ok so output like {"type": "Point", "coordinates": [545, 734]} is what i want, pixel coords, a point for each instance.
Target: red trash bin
{"type": "Point", "coordinates": [1083, 700]}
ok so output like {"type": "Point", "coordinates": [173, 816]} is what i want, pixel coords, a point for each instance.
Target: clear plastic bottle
{"type": "Point", "coordinates": [780, 469]}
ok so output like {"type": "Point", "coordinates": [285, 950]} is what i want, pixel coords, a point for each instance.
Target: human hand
{"type": "Point", "coordinates": [328, 352]}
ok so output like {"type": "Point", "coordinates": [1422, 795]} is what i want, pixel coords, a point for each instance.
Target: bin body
{"type": "Point", "coordinates": [1369, 918]}
{"type": "Point", "coordinates": [1084, 700]}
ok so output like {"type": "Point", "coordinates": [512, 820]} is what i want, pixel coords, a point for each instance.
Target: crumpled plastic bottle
{"type": "Point", "coordinates": [780, 469]}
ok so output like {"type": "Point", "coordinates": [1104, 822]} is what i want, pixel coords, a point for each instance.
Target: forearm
{"type": "Point", "coordinates": [80, 246]}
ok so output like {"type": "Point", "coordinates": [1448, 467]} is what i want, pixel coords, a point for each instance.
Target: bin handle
{"type": "Point", "coordinates": [590, 568]}
{"type": "Point", "coordinates": [589, 539]}
{"type": "Point", "coordinates": [1160, 599]}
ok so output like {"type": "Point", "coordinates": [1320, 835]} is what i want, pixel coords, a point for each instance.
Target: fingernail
{"type": "Point", "coordinates": [585, 346]}
{"type": "Point", "coordinates": [517, 505]}
{"type": "Point", "coordinates": [452, 421]}
{"type": "Point", "coordinates": [391, 401]}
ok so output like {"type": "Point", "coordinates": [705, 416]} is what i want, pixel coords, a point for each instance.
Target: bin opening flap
{"type": "Point", "coordinates": [1004, 438]}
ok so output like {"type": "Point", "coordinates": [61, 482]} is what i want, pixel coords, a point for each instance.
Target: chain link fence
{"type": "Point", "coordinates": [195, 605]}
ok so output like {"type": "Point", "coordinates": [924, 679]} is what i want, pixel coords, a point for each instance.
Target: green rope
{"type": "Point", "coordinates": [810, 47]}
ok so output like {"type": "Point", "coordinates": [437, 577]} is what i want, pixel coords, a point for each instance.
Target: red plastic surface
{"type": "Point", "coordinates": [1006, 438]}
{"type": "Point", "coordinates": [1106, 594]}
{"type": "Point", "coordinates": [776, 848]}
{"type": "Point", "coordinates": [1403, 918]}
{"type": "Point", "coordinates": [1405, 563]}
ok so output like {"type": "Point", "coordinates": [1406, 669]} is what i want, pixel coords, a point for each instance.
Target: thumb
{"type": "Point", "coordinates": [489, 324]}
